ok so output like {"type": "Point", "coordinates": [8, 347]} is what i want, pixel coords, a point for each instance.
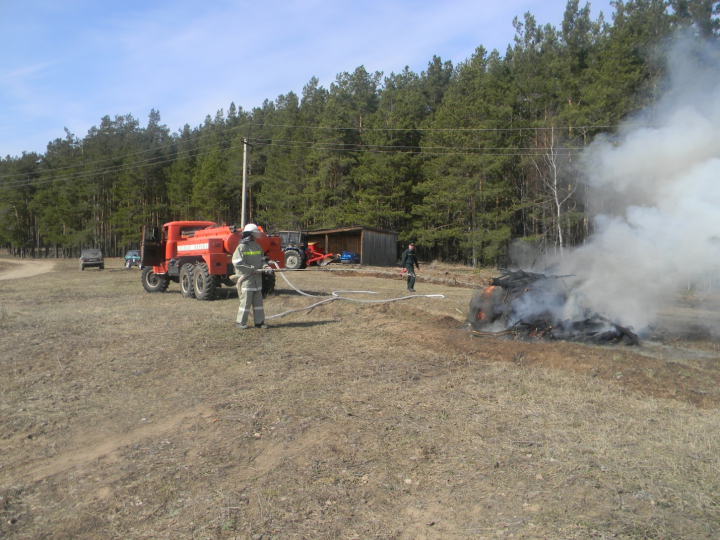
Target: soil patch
{"type": "Point", "coordinates": [24, 268]}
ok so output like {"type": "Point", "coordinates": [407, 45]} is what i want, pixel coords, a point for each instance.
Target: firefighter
{"type": "Point", "coordinates": [409, 262]}
{"type": "Point", "coordinates": [248, 262]}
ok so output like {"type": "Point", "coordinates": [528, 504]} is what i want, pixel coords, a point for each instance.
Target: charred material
{"type": "Point", "coordinates": [530, 305]}
{"type": "Point", "coordinates": [595, 329]}
{"type": "Point", "coordinates": [517, 280]}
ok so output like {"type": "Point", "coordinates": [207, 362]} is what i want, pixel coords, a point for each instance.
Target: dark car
{"type": "Point", "coordinates": [91, 257]}
{"type": "Point", "coordinates": [132, 258]}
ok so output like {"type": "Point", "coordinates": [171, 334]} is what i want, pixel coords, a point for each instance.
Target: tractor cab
{"type": "Point", "coordinates": [293, 239]}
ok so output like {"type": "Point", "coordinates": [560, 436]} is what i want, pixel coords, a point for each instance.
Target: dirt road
{"type": "Point", "coordinates": [24, 268]}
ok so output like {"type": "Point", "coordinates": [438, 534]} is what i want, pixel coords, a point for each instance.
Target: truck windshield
{"type": "Point", "coordinates": [189, 231]}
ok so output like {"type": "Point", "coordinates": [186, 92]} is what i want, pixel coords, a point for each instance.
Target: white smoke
{"type": "Point", "coordinates": [659, 227]}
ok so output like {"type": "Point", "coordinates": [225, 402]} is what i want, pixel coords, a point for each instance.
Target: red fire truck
{"type": "Point", "coordinates": [197, 255]}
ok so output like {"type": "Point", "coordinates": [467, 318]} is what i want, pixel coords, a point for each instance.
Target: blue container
{"type": "Point", "coordinates": [349, 257]}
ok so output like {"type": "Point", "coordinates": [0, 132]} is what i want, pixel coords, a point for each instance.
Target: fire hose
{"type": "Point", "coordinates": [335, 295]}
{"type": "Point", "coordinates": [238, 280]}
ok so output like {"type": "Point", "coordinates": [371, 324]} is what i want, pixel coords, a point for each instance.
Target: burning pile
{"type": "Point", "coordinates": [533, 305]}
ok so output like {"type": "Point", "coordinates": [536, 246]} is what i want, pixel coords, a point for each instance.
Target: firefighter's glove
{"type": "Point", "coordinates": [268, 270]}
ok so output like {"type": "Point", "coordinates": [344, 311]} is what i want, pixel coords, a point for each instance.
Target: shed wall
{"type": "Point", "coordinates": [378, 249]}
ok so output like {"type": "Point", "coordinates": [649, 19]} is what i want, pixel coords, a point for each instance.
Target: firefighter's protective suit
{"type": "Point", "coordinates": [248, 262]}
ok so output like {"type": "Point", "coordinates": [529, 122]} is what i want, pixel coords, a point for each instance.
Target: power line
{"type": "Point", "coordinates": [610, 126]}
{"type": "Point", "coordinates": [109, 170]}
{"type": "Point", "coordinates": [303, 145]}
{"type": "Point", "coordinates": [419, 153]}
{"type": "Point", "coordinates": [118, 168]}
{"type": "Point", "coordinates": [200, 136]}
{"type": "Point", "coordinates": [176, 142]}
{"type": "Point", "coordinates": [348, 146]}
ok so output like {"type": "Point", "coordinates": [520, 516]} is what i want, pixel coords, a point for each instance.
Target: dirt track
{"type": "Point", "coordinates": [24, 268]}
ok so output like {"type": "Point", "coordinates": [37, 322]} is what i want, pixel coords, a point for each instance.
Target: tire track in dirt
{"type": "Point", "coordinates": [91, 448]}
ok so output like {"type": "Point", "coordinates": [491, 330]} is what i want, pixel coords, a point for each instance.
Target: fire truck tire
{"type": "Point", "coordinates": [187, 286]}
{"type": "Point", "coordinates": [203, 282]}
{"type": "Point", "coordinates": [268, 284]}
{"type": "Point", "coordinates": [152, 282]}
{"type": "Point", "coordinates": [293, 260]}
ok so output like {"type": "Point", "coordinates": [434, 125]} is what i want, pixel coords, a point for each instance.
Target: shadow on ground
{"type": "Point", "coordinates": [308, 324]}
{"type": "Point", "coordinates": [291, 292]}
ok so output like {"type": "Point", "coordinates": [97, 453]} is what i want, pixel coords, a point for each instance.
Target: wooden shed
{"type": "Point", "coordinates": [375, 247]}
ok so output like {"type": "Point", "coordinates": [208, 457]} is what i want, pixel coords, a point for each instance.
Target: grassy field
{"type": "Point", "coordinates": [127, 415]}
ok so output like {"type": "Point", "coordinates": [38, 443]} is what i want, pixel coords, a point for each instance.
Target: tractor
{"type": "Point", "coordinates": [197, 255]}
{"type": "Point", "coordinates": [301, 254]}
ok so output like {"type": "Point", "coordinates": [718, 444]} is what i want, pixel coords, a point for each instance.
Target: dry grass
{"type": "Point", "coordinates": [128, 415]}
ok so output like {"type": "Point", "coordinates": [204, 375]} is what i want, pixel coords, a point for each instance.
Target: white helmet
{"type": "Point", "coordinates": [251, 227]}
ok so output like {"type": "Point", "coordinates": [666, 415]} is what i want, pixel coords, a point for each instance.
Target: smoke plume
{"type": "Point", "coordinates": [656, 185]}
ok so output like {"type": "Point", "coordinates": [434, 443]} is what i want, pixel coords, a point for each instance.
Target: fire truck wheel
{"type": "Point", "coordinates": [152, 282]}
{"type": "Point", "coordinates": [293, 260]}
{"type": "Point", "coordinates": [268, 284]}
{"type": "Point", "coordinates": [204, 283]}
{"type": "Point", "coordinates": [186, 280]}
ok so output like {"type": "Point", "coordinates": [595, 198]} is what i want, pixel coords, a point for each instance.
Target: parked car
{"type": "Point", "coordinates": [91, 257]}
{"type": "Point", "coordinates": [132, 258]}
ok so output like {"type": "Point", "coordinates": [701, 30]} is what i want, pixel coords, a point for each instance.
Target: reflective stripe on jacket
{"type": "Point", "coordinates": [248, 258]}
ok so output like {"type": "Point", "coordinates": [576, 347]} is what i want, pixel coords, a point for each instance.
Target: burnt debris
{"type": "Point", "coordinates": [531, 305]}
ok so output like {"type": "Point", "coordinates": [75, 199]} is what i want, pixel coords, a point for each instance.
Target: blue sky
{"type": "Point", "coordinates": [68, 64]}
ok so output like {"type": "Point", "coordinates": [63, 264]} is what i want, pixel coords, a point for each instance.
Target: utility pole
{"type": "Point", "coordinates": [245, 149]}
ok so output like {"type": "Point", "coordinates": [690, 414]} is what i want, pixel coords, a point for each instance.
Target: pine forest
{"type": "Point", "coordinates": [463, 159]}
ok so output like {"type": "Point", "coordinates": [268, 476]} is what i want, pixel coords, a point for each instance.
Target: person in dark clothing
{"type": "Point", "coordinates": [409, 262]}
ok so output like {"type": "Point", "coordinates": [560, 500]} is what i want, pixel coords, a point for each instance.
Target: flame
{"type": "Point", "coordinates": [480, 316]}
{"type": "Point", "coordinates": [488, 291]}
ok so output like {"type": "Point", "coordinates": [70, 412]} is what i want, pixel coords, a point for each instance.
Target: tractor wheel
{"type": "Point", "coordinates": [268, 284]}
{"type": "Point", "coordinates": [186, 280]}
{"type": "Point", "coordinates": [203, 282]}
{"type": "Point", "coordinates": [153, 282]}
{"type": "Point", "coordinates": [128, 264]}
{"type": "Point", "coordinates": [293, 260]}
